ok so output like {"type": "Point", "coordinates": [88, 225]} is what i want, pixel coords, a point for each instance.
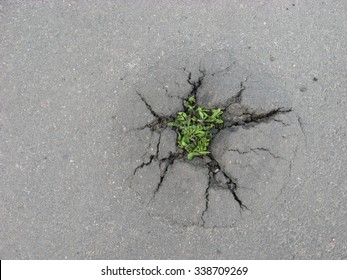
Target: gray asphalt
{"type": "Point", "coordinates": [89, 169]}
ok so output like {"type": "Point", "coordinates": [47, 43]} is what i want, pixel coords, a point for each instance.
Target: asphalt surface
{"type": "Point", "coordinates": [90, 170]}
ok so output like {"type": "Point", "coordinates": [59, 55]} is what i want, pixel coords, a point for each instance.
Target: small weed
{"type": "Point", "coordinates": [194, 128]}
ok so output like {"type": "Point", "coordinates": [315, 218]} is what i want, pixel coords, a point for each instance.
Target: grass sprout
{"type": "Point", "coordinates": [194, 127]}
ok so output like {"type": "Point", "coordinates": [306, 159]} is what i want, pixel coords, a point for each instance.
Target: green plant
{"type": "Point", "coordinates": [194, 127]}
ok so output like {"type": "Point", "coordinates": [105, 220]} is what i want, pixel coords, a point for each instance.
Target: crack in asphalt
{"type": "Point", "coordinates": [251, 119]}
{"type": "Point", "coordinates": [265, 116]}
{"type": "Point", "coordinates": [207, 200]}
{"type": "Point", "coordinates": [152, 157]}
{"type": "Point", "coordinates": [225, 69]}
{"type": "Point", "coordinates": [301, 124]}
{"type": "Point", "coordinates": [230, 184]}
{"type": "Point", "coordinates": [159, 123]}
{"type": "Point", "coordinates": [168, 163]}
{"type": "Point", "coordinates": [236, 98]}
{"type": "Point", "coordinates": [258, 149]}
{"type": "Point", "coordinates": [195, 84]}
{"type": "Point", "coordinates": [149, 107]}
{"type": "Point", "coordinates": [282, 122]}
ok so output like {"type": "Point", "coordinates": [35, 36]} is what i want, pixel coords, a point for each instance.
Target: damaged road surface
{"type": "Point", "coordinates": [251, 156]}
{"type": "Point", "coordinates": [90, 168]}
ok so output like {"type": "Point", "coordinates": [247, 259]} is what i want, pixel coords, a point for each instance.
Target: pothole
{"type": "Point", "coordinates": [251, 157]}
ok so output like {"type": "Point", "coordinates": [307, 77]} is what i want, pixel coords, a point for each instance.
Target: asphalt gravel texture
{"type": "Point", "coordinates": [89, 168]}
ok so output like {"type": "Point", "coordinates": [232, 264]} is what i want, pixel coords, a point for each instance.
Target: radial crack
{"type": "Point", "coordinates": [144, 164]}
{"type": "Point", "coordinates": [168, 162]}
{"type": "Point", "coordinates": [238, 200]}
{"type": "Point", "coordinates": [269, 114]}
{"type": "Point", "coordinates": [152, 157]}
{"type": "Point", "coordinates": [238, 97]}
{"type": "Point", "coordinates": [207, 195]}
{"type": "Point", "coordinates": [149, 107]}
{"type": "Point", "coordinates": [254, 118]}
{"type": "Point", "coordinates": [230, 183]}
{"type": "Point", "coordinates": [195, 84]}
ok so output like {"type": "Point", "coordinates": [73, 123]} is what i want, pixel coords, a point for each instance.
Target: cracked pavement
{"type": "Point", "coordinates": [91, 170]}
{"type": "Point", "coordinates": [238, 164]}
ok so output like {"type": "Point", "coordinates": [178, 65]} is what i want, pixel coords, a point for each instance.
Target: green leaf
{"type": "Point", "coordinates": [204, 152]}
{"type": "Point", "coordinates": [191, 100]}
{"type": "Point", "coordinates": [194, 128]}
{"type": "Point", "coordinates": [201, 115]}
{"type": "Point", "coordinates": [192, 154]}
